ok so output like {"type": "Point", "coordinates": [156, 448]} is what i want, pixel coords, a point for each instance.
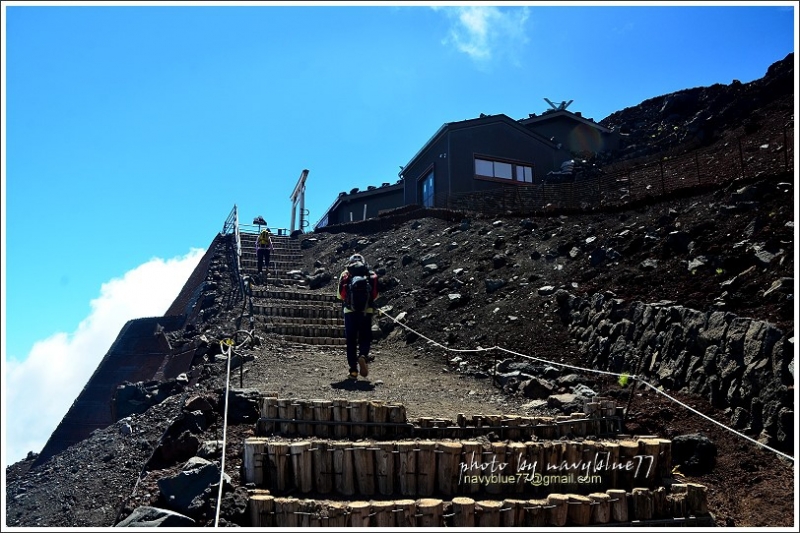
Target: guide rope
{"type": "Point", "coordinates": [628, 376]}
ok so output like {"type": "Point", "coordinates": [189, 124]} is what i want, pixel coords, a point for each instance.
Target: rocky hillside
{"type": "Point", "coordinates": [555, 287]}
{"type": "Point", "coordinates": [700, 116]}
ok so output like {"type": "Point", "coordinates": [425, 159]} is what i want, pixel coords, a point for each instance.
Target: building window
{"type": "Point", "coordinates": [426, 190]}
{"type": "Point", "coordinates": [486, 168]}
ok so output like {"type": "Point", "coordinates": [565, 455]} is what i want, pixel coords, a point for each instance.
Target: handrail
{"type": "Point", "coordinates": [254, 229]}
{"type": "Point", "coordinates": [233, 216]}
{"type": "Point", "coordinates": [231, 225]}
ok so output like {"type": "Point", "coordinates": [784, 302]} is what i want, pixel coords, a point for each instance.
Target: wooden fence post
{"type": "Point", "coordinates": [322, 458]}
{"type": "Point", "coordinates": [463, 512]}
{"type": "Point", "coordinates": [430, 511]}
{"type": "Point", "coordinates": [384, 468]}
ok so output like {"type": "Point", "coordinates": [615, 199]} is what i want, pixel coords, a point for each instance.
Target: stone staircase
{"type": "Point", "coordinates": [282, 303]}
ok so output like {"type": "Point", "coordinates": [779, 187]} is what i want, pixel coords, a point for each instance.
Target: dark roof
{"type": "Point", "coordinates": [565, 114]}
{"type": "Point", "coordinates": [480, 121]}
{"type": "Point", "coordinates": [376, 191]}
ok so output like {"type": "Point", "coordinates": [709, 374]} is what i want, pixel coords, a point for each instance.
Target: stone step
{"type": "Point", "coordinates": [309, 333]}
{"type": "Point", "coordinates": [296, 310]}
{"type": "Point", "coordinates": [323, 322]}
{"type": "Point", "coordinates": [295, 296]}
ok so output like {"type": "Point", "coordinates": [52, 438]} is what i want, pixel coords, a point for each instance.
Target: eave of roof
{"type": "Point", "coordinates": [480, 121]}
{"type": "Point", "coordinates": [346, 198]}
{"type": "Point", "coordinates": [566, 114]}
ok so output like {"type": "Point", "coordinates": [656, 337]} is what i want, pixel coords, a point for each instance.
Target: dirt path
{"type": "Point", "coordinates": [418, 378]}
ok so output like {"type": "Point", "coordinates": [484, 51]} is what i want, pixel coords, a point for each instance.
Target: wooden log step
{"type": "Point", "coordinates": [266, 509]}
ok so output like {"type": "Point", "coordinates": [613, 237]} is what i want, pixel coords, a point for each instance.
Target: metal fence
{"type": "Point", "coordinates": [767, 152]}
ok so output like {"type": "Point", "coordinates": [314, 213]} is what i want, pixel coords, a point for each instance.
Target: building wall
{"type": "Point", "coordinates": [452, 158]}
{"type": "Point", "coordinates": [435, 156]}
{"type": "Point", "coordinates": [501, 142]}
{"type": "Point", "coordinates": [375, 202]}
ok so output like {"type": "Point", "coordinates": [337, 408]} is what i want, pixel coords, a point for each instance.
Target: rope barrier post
{"type": "Point", "coordinates": [494, 368]}
{"type": "Point", "coordinates": [633, 389]}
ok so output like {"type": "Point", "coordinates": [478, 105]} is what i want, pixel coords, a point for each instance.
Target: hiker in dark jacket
{"type": "Point", "coordinates": [358, 289]}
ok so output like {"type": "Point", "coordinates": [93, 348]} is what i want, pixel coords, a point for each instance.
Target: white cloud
{"type": "Point", "coordinates": [486, 32]}
{"type": "Point", "coordinates": [40, 389]}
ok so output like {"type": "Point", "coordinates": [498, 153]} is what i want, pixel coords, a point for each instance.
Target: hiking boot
{"type": "Point", "coordinates": [362, 366]}
{"type": "Point", "coordinates": [353, 375]}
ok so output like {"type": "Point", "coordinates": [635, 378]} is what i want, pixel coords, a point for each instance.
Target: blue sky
{"type": "Point", "coordinates": [130, 132]}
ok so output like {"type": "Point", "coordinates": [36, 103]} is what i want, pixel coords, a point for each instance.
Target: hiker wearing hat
{"type": "Point", "coordinates": [263, 249]}
{"type": "Point", "coordinates": [358, 289]}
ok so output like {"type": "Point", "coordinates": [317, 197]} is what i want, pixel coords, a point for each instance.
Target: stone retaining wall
{"type": "Point", "coordinates": [738, 363]}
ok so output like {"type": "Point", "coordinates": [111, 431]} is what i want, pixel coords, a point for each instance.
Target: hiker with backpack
{"type": "Point", "coordinates": [358, 289]}
{"type": "Point", "coordinates": [263, 249]}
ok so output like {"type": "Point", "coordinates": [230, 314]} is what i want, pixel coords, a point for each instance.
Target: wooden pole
{"type": "Point", "coordinates": [696, 498]}
{"type": "Point", "coordinates": [340, 414]}
{"type": "Point", "coordinates": [343, 468]}
{"type": "Point", "coordinates": [430, 512]}
{"type": "Point", "coordinates": [323, 412]}
{"type": "Point", "coordinates": [487, 513]}
{"type": "Point", "coordinates": [262, 509]}
{"type": "Point", "coordinates": [579, 509]}
{"type": "Point", "coordinates": [253, 462]}
{"type": "Point", "coordinates": [302, 466]}
{"type": "Point", "coordinates": [305, 412]}
{"type": "Point", "coordinates": [322, 458]}
{"type": "Point", "coordinates": [405, 513]}
{"type": "Point", "coordinates": [463, 512]}
{"type": "Point", "coordinates": [677, 502]}
{"type": "Point", "coordinates": [471, 456]}
{"type": "Point", "coordinates": [279, 475]}
{"type": "Point", "coordinates": [397, 415]}
{"type": "Point", "coordinates": [660, 509]}
{"type": "Point", "coordinates": [536, 513]}
{"type": "Point", "coordinates": [384, 468]}
{"type": "Point", "coordinates": [512, 513]}
{"type": "Point", "coordinates": [601, 510]}
{"type": "Point", "coordinates": [449, 458]}
{"type": "Point", "coordinates": [557, 512]}
{"type": "Point", "coordinates": [611, 450]}
{"type": "Point", "coordinates": [286, 411]}
{"type": "Point", "coordinates": [364, 464]}
{"type": "Point", "coordinates": [573, 454]}
{"type": "Point", "coordinates": [498, 456]}
{"type": "Point", "coordinates": [628, 450]}
{"type": "Point", "coordinates": [378, 413]}
{"type": "Point", "coordinates": [359, 412]}
{"type": "Point", "coordinates": [269, 409]}
{"type": "Point", "coordinates": [336, 514]}
{"type": "Point", "coordinates": [517, 457]}
{"type": "Point", "coordinates": [407, 468]}
{"type": "Point", "coordinates": [619, 504]}
{"type": "Point", "coordinates": [382, 515]}
{"type": "Point", "coordinates": [359, 514]}
{"type": "Point", "coordinates": [648, 469]}
{"type": "Point", "coordinates": [664, 459]}
{"type": "Point", "coordinates": [308, 514]}
{"type": "Point", "coordinates": [642, 500]}
{"type": "Point", "coordinates": [512, 422]}
{"type": "Point", "coordinates": [426, 467]}
{"type": "Point", "coordinates": [286, 512]}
